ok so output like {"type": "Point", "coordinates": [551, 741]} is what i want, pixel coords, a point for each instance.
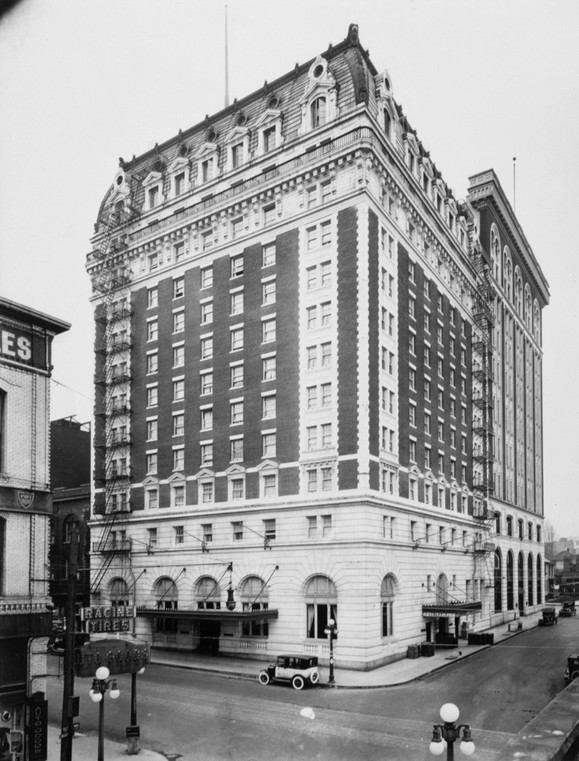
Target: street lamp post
{"type": "Point", "coordinates": [332, 632]}
{"type": "Point", "coordinates": [134, 732]}
{"type": "Point", "coordinates": [97, 694]}
{"type": "Point", "coordinates": [445, 735]}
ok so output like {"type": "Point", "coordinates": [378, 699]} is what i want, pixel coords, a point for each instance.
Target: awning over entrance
{"type": "Point", "coordinates": [450, 609]}
{"type": "Point", "coordinates": [210, 615]}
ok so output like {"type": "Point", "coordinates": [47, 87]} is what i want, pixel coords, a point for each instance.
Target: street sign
{"type": "Point", "coordinates": [118, 655]}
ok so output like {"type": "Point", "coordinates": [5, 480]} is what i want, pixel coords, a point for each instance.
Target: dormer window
{"type": "Point", "coordinates": [319, 103]}
{"type": "Point", "coordinates": [153, 185]}
{"type": "Point", "coordinates": [237, 143]}
{"type": "Point", "coordinates": [318, 112]}
{"type": "Point", "coordinates": [387, 124]}
{"type": "Point", "coordinates": [269, 135]}
{"type": "Point", "coordinates": [207, 167]}
{"type": "Point", "coordinates": [179, 174]}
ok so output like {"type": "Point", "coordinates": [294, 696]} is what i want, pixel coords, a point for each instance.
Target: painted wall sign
{"type": "Point", "coordinates": [21, 345]}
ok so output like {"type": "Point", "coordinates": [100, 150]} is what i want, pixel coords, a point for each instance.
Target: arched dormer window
{"type": "Point", "coordinates": [507, 274]}
{"type": "Point", "coordinates": [518, 292]}
{"type": "Point", "coordinates": [528, 307]}
{"type": "Point", "coordinates": [385, 103]}
{"type": "Point", "coordinates": [495, 254]}
{"type": "Point", "coordinates": [318, 112]}
{"type": "Point", "coordinates": [536, 320]}
{"type": "Point", "coordinates": [319, 103]}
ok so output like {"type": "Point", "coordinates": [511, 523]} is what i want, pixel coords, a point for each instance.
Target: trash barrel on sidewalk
{"type": "Point", "coordinates": [427, 649]}
{"type": "Point", "coordinates": [413, 651]}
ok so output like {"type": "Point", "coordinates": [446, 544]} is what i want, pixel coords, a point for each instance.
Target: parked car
{"type": "Point", "coordinates": [568, 609]}
{"type": "Point", "coordinates": [299, 670]}
{"type": "Point", "coordinates": [549, 617]}
{"type": "Point", "coordinates": [572, 670]}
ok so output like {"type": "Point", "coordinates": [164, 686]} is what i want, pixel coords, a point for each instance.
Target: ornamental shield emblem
{"type": "Point", "coordinates": [26, 498]}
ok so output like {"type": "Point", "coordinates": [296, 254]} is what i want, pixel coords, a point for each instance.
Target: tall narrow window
{"type": "Point", "coordinates": [318, 112]}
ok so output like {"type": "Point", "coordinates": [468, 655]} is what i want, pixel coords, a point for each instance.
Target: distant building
{"type": "Point", "coordinates": [318, 382]}
{"type": "Point", "coordinates": [70, 469]}
{"type": "Point", "coordinates": [25, 504]}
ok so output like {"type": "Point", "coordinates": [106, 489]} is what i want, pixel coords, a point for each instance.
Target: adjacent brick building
{"type": "Point", "coordinates": [318, 381]}
{"type": "Point", "coordinates": [25, 619]}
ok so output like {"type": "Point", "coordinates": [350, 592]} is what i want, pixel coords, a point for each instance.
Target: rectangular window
{"type": "Point", "coordinates": [326, 431]}
{"type": "Point", "coordinates": [178, 356]}
{"type": "Point", "coordinates": [268, 444]}
{"type": "Point", "coordinates": [236, 155]}
{"type": "Point", "coordinates": [236, 302]}
{"type": "Point", "coordinates": [207, 496]}
{"type": "Point", "coordinates": [269, 528]}
{"type": "Point", "coordinates": [268, 407]}
{"type": "Point", "coordinates": [152, 535]}
{"type": "Point", "coordinates": [269, 214]}
{"type": "Point", "coordinates": [326, 314]}
{"type": "Point", "coordinates": [207, 240]}
{"type": "Point", "coordinates": [153, 262]}
{"type": "Point", "coordinates": [269, 485]}
{"type": "Point", "coordinates": [237, 488]}
{"type": "Point", "coordinates": [179, 533]}
{"type": "Point", "coordinates": [178, 459]}
{"type": "Point", "coordinates": [207, 419]}
{"type": "Point", "coordinates": [236, 339]}
{"type": "Point", "coordinates": [152, 463]}
{"type": "Point", "coordinates": [268, 255]}
{"type": "Point", "coordinates": [206, 383]}
{"type": "Point", "coordinates": [152, 396]}
{"type": "Point", "coordinates": [152, 298]}
{"type": "Point", "coordinates": [326, 354]}
{"type": "Point", "coordinates": [236, 376]}
{"type": "Point", "coordinates": [269, 330]}
{"type": "Point", "coordinates": [151, 499]}
{"type": "Point", "coordinates": [236, 450]}
{"type": "Point", "coordinates": [207, 528]}
{"type": "Point", "coordinates": [178, 322]}
{"type": "Point", "coordinates": [207, 347]}
{"type": "Point", "coordinates": [152, 430]}
{"type": "Point", "coordinates": [152, 330]}
{"type": "Point", "coordinates": [237, 266]}
{"type": "Point", "coordinates": [179, 250]}
{"type": "Point", "coordinates": [268, 368]}
{"type": "Point", "coordinates": [236, 409]}
{"type": "Point", "coordinates": [326, 394]}
{"type": "Point", "coordinates": [269, 139]}
{"type": "Point", "coordinates": [206, 312]}
{"type": "Point", "coordinates": [207, 453]}
{"type": "Point", "coordinates": [326, 525]}
{"type": "Point", "coordinates": [178, 424]}
{"type": "Point", "coordinates": [178, 390]}
{"type": "Point", "coordinates": [268, 292]}
{"type": "Point", "coordinates": [206, 277]}
{"type": "Point", "coordinates": [178, 287]}
{"type": "Point", "coordinates": [152, 363]}
{"type": "Point", "coordinates": [237, 527]}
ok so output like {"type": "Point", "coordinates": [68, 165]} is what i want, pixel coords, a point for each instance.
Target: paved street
{"type": "Point", "coordinates": [206, 716]}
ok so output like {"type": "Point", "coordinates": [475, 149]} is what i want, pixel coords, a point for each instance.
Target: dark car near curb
{"type": "Point", "coordinates": [299, 670]}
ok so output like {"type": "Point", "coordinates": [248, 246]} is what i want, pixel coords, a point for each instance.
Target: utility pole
{"type": "Point", "coordinates": [68, 702]}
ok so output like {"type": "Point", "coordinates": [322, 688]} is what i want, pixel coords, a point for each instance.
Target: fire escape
{"type": "Point", "coordinates": [482, 420]}
{"type": "Point", "coordinates": [112, 437]}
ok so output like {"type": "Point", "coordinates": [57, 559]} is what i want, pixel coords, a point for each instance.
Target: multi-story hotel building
{"type": "Point", "coordinates": [25, 503]}
{"type": "Point", "coordinates": [318, 382]}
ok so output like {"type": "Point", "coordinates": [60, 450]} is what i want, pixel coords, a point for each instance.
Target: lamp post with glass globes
{"type": "Point", "coordinates": [97, 694]}
{"type": "Point", "coordinates": [445, 735]}
{"type": "Point", "coordinates": [331, 631]}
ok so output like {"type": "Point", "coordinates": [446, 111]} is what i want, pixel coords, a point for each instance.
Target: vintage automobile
{"type": "Point", "coordinates": [568, 609]}
{"type": "Point", "coordinates": [572, 670]}
{"type": "Point", "coordinates": [299, 670]}
{"type": "Point", "coordinates": [549, 617]}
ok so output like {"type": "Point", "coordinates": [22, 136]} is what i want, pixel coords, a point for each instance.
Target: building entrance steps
{"type": "Point", "coordinates": [399, 672]}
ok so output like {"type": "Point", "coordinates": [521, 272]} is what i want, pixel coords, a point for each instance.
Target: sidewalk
{"type": "Point", "coordinates": [400, 672]}
{"type": "Point", "coordinates": [85, 748]}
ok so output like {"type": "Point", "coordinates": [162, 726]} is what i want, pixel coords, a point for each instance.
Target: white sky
{"type": "Point", "coordinates": [87, 81]}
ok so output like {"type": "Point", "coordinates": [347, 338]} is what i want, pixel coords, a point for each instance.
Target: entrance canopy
{"type": "Point", "coordinates": [209, 615]}
{"type": "Point", "coordinates": [450, 609]}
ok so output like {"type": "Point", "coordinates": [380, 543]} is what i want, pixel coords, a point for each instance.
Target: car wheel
{"type": "Point", "coordinates": [298, 682]}
{"type": "Point", "coordinates": [264, 677]}
{"type": "Point", "coordinates": [574, 675]}
{"type": "Point", "coordinates": [315, 678]}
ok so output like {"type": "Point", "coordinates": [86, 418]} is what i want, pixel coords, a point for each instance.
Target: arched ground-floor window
{"type": "Point", "coordinates": [510, 581]}
{"type": "Point", "coordinates": [498, 579]}
{"type": "Point", "coordinates": [321, 605]}
{"type": "Point", "coordinates": [253, 595]}
{"type": "Point", "coordinates": [166, 598]}
{"type": "Point", "coordinates": [530, 585]}
{"type": "Point", "coordinates": [387, 595]}
{"type": "Point", "coordinates": [539, 580]}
